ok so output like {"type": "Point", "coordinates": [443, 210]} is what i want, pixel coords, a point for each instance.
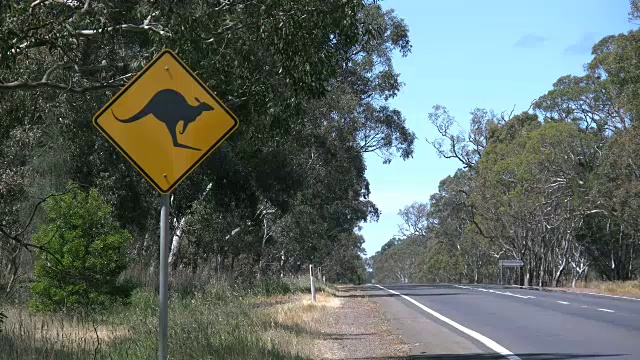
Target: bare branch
{"type": "Point", "coordinates": [46, 83]}
{"type": "Point", "coordinates": [71, 3]}
{"type": "Point", "coordinates": [27, 245]}
{"type": "Point", "coordinates": [126, 27]}
{"type": "Point", "coordinates": [36, 3]}
{"type": "Point", "coordinates": [46, 76]}
{"type": "Point", "coordinates": [16, 50]}
{"type": "Point", "coordinates": [227, 27]}
{"type": "Point", "coordinates": [29, 86]}
{"type": "Point", "coordinates": [35, 209]}
{"type": "Point", "coordinates": [17, 237]}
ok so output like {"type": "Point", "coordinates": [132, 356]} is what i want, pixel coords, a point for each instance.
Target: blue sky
{"type": "Point", "coordinates": [467, 54]}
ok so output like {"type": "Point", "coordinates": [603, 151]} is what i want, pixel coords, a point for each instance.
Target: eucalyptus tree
{"type": "Point", "coordinates": [310, 81]}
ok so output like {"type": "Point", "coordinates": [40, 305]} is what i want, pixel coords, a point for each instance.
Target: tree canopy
{"type": "Point", "coordinates": [309, 80]}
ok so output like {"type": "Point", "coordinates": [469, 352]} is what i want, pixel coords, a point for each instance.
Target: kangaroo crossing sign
{"type": "Point", "coordinates": [165, 121]}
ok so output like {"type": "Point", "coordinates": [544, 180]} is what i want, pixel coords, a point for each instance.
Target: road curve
{"type": "Point", "coordinates": [524, 323]}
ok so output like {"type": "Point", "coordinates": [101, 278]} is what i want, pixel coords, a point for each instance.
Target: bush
{"type": "Point", "coordinates": [85, 255]}
{"type": "Point", "coordinates": [272, 287]}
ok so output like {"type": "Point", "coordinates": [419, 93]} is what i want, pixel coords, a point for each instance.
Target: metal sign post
{"type": "Point", "coordinates": [163, 330]}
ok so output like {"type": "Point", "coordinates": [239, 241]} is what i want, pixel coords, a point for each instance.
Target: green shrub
{"type": "Point", "coordinates": [272, 287]}
{"type": "Point", "coordinates": [87, 255]}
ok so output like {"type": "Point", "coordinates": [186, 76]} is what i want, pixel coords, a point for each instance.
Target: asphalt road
{"type": "Point", "coordinates": [479, 322]}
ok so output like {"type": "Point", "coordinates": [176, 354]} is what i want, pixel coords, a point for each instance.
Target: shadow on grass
{"type": "Point", "coordinates": [19, 348]}
{"type": "Point", "coordinates": [236, 347]}
{"type": "Point", "coordinates": [484, 356]}
{"type": "Point", "coordinates": [301, 330]}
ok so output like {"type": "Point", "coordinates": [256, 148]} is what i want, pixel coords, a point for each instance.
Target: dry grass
{"type": "Point", "coordinates": [296, 323]}
{"type": "Point", "coordinates": [54, 328]}
{"type": "Point", "coordinates": [218, 322]}
{"type": "Point", "coordinates": [26, 335]}
{"type": "Point", "coordinates": [623, 288]}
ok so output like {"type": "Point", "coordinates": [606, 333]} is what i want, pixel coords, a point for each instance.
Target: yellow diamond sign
{"type": "Point", "coordinates": [165, 121]}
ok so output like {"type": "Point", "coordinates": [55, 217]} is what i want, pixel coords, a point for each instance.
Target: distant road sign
{"type": "Point", "coordinates": [511, 263]}
{"type": "Point", "coordinates": [165, 121]}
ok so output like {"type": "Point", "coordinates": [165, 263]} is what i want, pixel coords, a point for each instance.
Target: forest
{"type": "Point", "coordinates": [311, 96]}
{"type": "Point", "coordinates": [556, 186]}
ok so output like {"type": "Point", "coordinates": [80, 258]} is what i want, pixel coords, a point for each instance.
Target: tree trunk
{"type": "Point", "coordinates": [558, 274]}
{"type": "Point", "coordinates": [14, 267]}
{"type": "Point", "coordinates": [265, 235]}
{"type": "Point", "coordinates": [219, 263]}
{"type": "Point", "coordinates": [179, 229]}
{"type": "Point", "coordinates": [146, 244]}
{"type": "Point", "coordinates": [282, 261]}
{"type": "Point", "coordinates": [175, 241]}
{"type": "Point", "coordinates": [541, 275]}
{"type": "Point", "coordinates": [586, 275]}
{"type": "Point", "coordinates": [475, 275]}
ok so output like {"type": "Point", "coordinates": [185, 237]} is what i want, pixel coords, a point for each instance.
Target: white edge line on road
{"type": "Point", "coordinates": [578, 292]}
{"type": "Point", "coordinates": [496, 292]}
{"type": "Point", "coordinates": [564, 302]}
{"type": "Point", "coordinates": [607, 310]}
{"type": "Point", "coordinates": [607, 295]}
{"type": "Point", "coordinates": [483, 339]}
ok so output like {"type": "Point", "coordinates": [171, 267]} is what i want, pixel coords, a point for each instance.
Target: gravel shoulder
{"type": "Point", "coordinates": [357, 329]}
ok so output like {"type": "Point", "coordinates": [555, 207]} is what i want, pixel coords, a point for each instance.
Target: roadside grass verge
{"type": "Point", "coordinates": [295, 323]}
{"type": "Point", "coordinates": [623, 288]}
{"type": "Point", "coordinates": [270, 320]}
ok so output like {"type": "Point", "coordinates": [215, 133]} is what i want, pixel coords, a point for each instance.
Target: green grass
{"type": "Point", "coordinates": [216, 322]}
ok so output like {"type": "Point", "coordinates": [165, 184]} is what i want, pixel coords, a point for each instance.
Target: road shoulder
{"type": "Point", "coordinates": [357, 329]}
{"type": "Point", "coordinates": [424, 334]}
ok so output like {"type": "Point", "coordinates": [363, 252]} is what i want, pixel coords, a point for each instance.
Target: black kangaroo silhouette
{"type": "Point", "coordinates": [170, 107]}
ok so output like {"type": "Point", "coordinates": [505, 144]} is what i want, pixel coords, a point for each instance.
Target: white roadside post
{"type": "Point", "coordinates": [313, 284]}
{"type": "Point", "coordinates": [163, 330]}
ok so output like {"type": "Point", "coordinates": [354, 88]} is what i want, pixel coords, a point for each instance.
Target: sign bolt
{"type": "Point", "coordinates": [166, 68]}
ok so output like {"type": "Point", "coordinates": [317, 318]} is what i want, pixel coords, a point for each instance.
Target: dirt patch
{"type": "Point", "coordinates": [356, 328]}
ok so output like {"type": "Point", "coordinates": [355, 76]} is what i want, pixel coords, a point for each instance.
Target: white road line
{"type": "Point", "coordinates": [607, 310]}
{"type": "Point", "coordinates": [584, 306]}
{"type": "Point", "coordinates": [579, 292]}
{"type": "Point", "coordinates": [563, 302]}
{"type": "Point", "coordinates": [496, 292]}
{"type": "Point", "coordinates": [483, 339]}
{"type": "Point", "coordinates": [607, 295]}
